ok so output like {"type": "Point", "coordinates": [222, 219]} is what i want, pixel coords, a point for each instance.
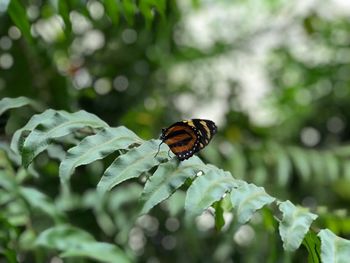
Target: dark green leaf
{"type": "Point", "coordinates": [313, 246]}
{"type": "Point", "coordinates": [219, 215]}
{"type": "Point", "coordinates": [19, 17]}
{"type": "Point", "coordinates": [112, 9]}
{"type": "Point", "coordinates": [300, 160]}
{"type": "Point", "coordinates": [130, 10]}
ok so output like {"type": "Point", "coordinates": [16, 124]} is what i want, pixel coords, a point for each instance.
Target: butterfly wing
{"type": "Point", "coordinates": [185, 138]}
{"type": "Point", "coordinates": [182, 139]}
{"type": "Point", "coordinates": [207, 129]}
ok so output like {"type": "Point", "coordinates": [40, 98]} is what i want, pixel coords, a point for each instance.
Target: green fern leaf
{"type": "Point", "coordinates": [112, 10]}
{"type": "Point", "coordinates": [283, 164]}
{"type": "Point", "coordinates": [18, 138]}
{"type": "Point", "coordinates": [238, 163]}
{"type": "Point", "coordinates": [313, 246]}
{"type": "Point", "coordinates": [17, 12]}
{"type": "Point", "coordinates": [167, 178]}
{"type": "Point", "coordinates": [333, 166]}
{"type": "Point", "coordinates": [12, 103]}
{"type": "Point", "coordinates": [333, 248]}
{"type": "Point", "coordinates": [58, 125]}
{"type": "Point", "coordinates": [301, 162]}
{"type": "Point", "coordinates": [295, 224]}
{"type": "Point", "coordinates": [76, 242]}
{"type": "Point", "coordinates": [40, 201]}
{"type": "Point", "coordinates": [207, 189]}
{"type": "Point", "coordinates": [96, 147]}
{"type": "Point", "coordinates": [248, 198]}
{"type": "Point", "coordinates": [132, 164]}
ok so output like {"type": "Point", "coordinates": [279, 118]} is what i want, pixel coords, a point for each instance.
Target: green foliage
{"type": "Point", "coordinates": [12, 103]}
{"type": "Point", "coordinates": [207, 189]}
{"type": "Point", "coordinates": [249, 198]}
{"type": "Point", "coordinates": [313, 246]}
{"type": "Point", "coordinates": [74, 242]}
{"type": "Point", "coordinates": [333, 248]}
{"type": "Point", "coordinates": [205, 186]}
{"type": "Point", "coordinates": [167, 179]}
{"type": "Point", "coordinates": [18, 15]}
{"type": "Point", "coordinates": [58, 125]}
{"type": "Point", "coordinates": [294, 225]}
{"type": "Point", "coordinates": [96, 147]}
{"type": "Point", "coordinates": [131, 165]}
{"type": "Point", "coordinates": [277, 87]}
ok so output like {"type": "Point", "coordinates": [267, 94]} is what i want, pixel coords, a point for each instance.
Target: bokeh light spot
{"type": "Point", "coordinates": [244, 235]}
{"type": "Point", "coordinates": [5, 43]}
{"type": "Point", "coordinates": [149, 223]}
{"type": "Point", "coordinates": [50, 29]}
{"type": "Point", "coordinates": [103, 86]}
{"type": "Point", "coordinates": [129, 36]}
{"type": "Point", "coordinates": [335, 124]}
{"type": "Point", "coordinates": [92, 41]}
{"type": "Point", "coordinates": [137, 240]}
{"type": "Point", "coordinates": [33, 12]}
{"type": "Point", "coordinates": [169, 242]}
{"type": "Point", "coordinates": [150, 103]}
{"type": "Point", "coordinates": [56, 260]}
{"type": "Point", "coordinates": [82, 79]}
{"type": "Point", "coordinates": [80, 24]}
{"type": "Point", "coordinates": [205, 221]}
{"type": "Point", "coordinates": [172, 224]}
{"type": "Point", "coordinates": [310, 136]}
{"type": "Point", "coordinates": [120, 83]}
{"type": "Point", "coordinates": [6, 61]}
{"type": "Point", "coordinates": [96, 9]}
{"type": "Point", "coordinates": [14, 32]}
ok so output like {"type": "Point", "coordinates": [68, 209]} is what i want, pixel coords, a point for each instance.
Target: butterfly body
{"type": "Point", "coordinates": [185, 138]}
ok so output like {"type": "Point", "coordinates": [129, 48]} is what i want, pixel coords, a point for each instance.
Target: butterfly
{"type": "Point", "coordinates": [185, 138]}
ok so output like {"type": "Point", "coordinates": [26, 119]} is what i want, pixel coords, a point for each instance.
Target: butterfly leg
{"type": "Point", "coordinates": [158, 149]}
{"type": "Point", "coordinates": [169, 153]}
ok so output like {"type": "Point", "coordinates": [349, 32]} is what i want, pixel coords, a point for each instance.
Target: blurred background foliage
{"type": "Point", "coordinates": [273, 74]}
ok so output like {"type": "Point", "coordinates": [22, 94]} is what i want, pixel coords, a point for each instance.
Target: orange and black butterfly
{"type": "Point", "coordinates": [185, 138]}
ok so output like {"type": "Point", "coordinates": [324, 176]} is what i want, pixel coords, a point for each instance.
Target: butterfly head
{"type": "Point", "coordinates": [162, 136]}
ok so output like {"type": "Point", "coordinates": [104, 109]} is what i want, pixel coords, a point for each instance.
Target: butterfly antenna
{"type": "Point", "coordinates": [158, 149]}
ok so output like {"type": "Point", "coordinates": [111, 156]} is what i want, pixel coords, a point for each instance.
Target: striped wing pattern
{"type": "Point", "coordinates": [185, 138]}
